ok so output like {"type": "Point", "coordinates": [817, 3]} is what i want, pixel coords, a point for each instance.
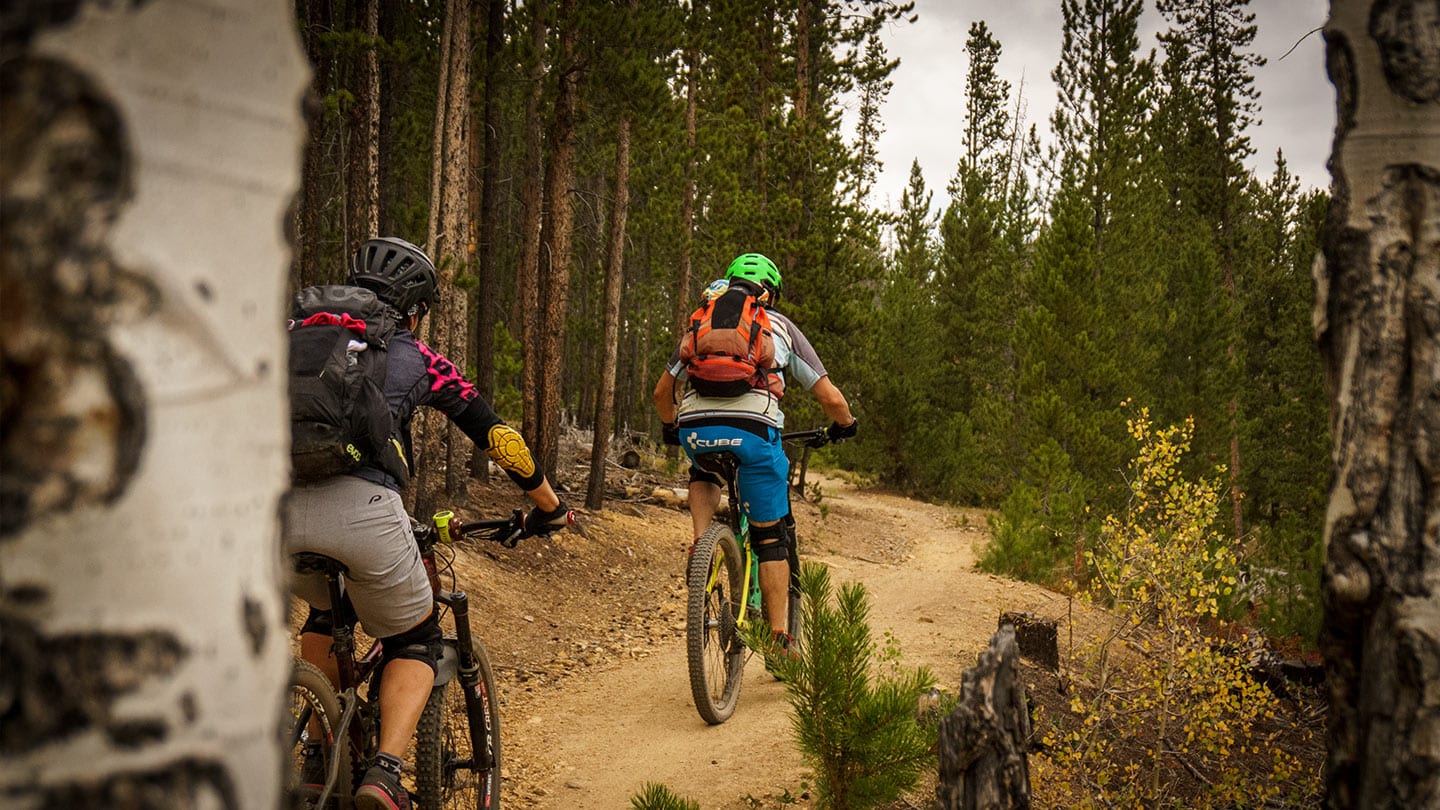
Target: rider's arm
{"type": "Point", "coordinates": [665, 397]}
{"type": "Point", "coordinates": [832, 401]}
{"type": "Point", "coordinates": [544, 497]}
{"type": "Point", "coordinates": [454, 396]}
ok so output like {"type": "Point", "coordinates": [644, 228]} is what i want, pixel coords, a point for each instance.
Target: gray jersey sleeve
{"type": "Point", "coordinates": [800, 361]}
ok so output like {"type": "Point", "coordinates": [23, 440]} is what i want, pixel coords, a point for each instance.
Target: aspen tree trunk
{"type": "Point", "coordinates": [1377, 319]}
{"type": "Point", "coordinates": [146, 171]}
{"type": "Point", "coordinates": [683, 303]}
{"type": "Point", "coordinates": [527, 271]}
{"type": "Point", "coordinates": [487, 134]}
{"type": "Point", "coordinates": [614, 284]}
{"type": "Point", "coordinates": [555, 242]}
{"type": "Point", "coordinates": [362, 159]}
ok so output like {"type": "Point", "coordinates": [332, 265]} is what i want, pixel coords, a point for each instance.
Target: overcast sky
{"type": "Point", "coordinates": [924, 113]}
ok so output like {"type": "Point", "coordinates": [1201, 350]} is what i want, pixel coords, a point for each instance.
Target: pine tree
{"type": "Point", "coordinates": [1069, 395]}
{"type": "Point", "coordinates": [853, 703]}
{"type": "Point", "coordinates": [1286, 429]}
{"type": "Point", "coordinates": [872, 77]}
{"type": "Point", "coordinates": [907, 415]}
{"type": "Point", "coordinates": [1208, 57]}
{"type": "Point", "coordinates": [970, 227]}
{"type": "Point", "coordinates": [1103, 108]}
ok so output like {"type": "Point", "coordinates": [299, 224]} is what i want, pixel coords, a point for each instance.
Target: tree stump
{"type": "Point", "coordinates": [1037, 637]}
{"type": "Point", "coordinates": [982, 742]}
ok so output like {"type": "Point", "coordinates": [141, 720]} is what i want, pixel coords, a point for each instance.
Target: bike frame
{"type": "Point", "coordinates": [740, 525]}
{"type": "Point", "coordinates": [354, 672]}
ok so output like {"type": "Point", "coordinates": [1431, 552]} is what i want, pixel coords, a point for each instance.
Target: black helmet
{"type": "Point", "coordinates": [399, 273]}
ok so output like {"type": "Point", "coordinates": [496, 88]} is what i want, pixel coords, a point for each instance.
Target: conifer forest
{"type": "Point", "coordinates": [581, 170]}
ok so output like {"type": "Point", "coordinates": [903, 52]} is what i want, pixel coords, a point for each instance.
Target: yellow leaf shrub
{"type": "Point", "coordinates": [1156, 704]}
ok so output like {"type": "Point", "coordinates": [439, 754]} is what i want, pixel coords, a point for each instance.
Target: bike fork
{"type": "Point", "coordinates": [459, 603]}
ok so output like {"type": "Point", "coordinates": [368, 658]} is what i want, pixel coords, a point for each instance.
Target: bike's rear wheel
{"type": "Point", "coordinates": [448, 776]}
{"type": "Point", "coordinates": [716, 654]}
{"type": "Point", "coordinates": [313, 717]}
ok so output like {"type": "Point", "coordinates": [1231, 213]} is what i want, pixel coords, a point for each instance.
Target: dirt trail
{"type": "Point", "coordinates": [610, 709]}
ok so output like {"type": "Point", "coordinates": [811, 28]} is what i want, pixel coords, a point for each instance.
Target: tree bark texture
{"type": "Point", "coordinates": [142, 447]}
{"type": "Point", "coordinates": [441, 440]}
{"type": "Point", "coordinates": [982, 742]}
{"type": "Point", "coordinates": [309, 223]}
{"type": "Point", "coordinates": [487, 224]}
{"type": "Point", "coordinates": [1377, 320]}
{"type": "Point", "coordinates": [614, 285]}
{"type": "Point", "coordinates": [555, 241]}
{"type": "Point", "coordinates": [687, 197]}
{"type": "Point", "coordinates": [437, 140]}
{"type": "Point", "coordinates": [527, 271]}
{"type": "Point", "coordinates": [362, 154]}
{"type": "Point", "coordinates": [454, 240]}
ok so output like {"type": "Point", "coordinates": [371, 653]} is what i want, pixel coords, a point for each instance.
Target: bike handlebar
{"type": "Point", "coordinates": [506, 531]}
{"type": "Point", "coordinates": [811, 438]}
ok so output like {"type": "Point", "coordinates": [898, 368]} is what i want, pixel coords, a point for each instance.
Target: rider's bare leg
{"type": "Point", "coordinates": [704, 501]}
{"type": "Point", "coordinates": [404, 689]}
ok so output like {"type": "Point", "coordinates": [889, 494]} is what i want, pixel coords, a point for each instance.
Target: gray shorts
{"type": "Point", "coordinates": [365, 526]}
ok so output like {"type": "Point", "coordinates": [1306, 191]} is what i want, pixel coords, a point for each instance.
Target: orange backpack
{"type": "Point", "coordinates": [729, 347]}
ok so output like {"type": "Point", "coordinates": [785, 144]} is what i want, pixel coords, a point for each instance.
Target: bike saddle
{"type": "Point", "coordinates": [722, 462]}
{"type": "Point", "coordinates": [309, 562]}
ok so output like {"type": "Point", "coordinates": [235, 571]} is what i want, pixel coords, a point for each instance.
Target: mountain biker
{"type": "Point", "coordinates": [359, 519]}
{"type": "Point", "coordinates": [750, 426]}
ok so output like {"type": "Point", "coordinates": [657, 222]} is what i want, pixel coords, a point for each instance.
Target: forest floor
{"type": "Point", "coordinates": [586, 633]}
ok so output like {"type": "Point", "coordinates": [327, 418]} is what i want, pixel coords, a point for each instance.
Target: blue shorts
{"type": "Point", "coordinates": [763, 479]}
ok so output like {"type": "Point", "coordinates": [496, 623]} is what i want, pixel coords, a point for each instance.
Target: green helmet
{"type": "Point", "coordinates": [757, 269]}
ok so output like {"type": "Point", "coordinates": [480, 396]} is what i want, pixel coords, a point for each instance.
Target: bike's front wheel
{"type": "Point", "coordinates": [793, 617]}
{"type": "Point", "coordinates": [715, 578]}
{"type": "Point", "coordinates": [312, 730]}
{"type": "Point", "coordinates": [448, 774]}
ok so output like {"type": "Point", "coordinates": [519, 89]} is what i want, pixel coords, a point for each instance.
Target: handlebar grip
{"type": "Point", "coordinates": [442, 524]}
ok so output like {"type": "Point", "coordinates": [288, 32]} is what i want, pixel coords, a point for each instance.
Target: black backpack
{"type": "Point", "coordinates": [339, 420]}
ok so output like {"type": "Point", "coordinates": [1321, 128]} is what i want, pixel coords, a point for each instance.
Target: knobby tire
{"type": "Point", "coordinates": [313, 698]}
{"type": "Point", "coordinates": [445, 777]}
{"type": "Point", "coordinates": [793, 617]}
{"type": "Point", "coordinates": [712, 642]}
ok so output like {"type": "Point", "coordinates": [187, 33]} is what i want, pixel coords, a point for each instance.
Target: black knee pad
{"type": "Point", "coordinates": [420, 643]}
{"type": "Point", "coordinates": [771, 543]}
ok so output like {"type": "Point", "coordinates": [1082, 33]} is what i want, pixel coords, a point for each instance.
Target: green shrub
{"type": "Point", "coordinates": [655, 796]}
{"type": "Point", "coordinates": [854, 707]}
{"type": "Point", "coordinates": [1040, 533]}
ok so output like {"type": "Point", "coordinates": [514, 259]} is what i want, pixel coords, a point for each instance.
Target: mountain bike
{"type": "Point", "coordinates": [457, 741]}
{"type": "Point", "coordinates": [723, 583]}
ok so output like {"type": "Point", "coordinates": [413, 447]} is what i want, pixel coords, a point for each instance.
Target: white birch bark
{"type": "Point", "coordinates": [141, 592]}
{"type": "Point", "coordinates": [1377, 319]}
